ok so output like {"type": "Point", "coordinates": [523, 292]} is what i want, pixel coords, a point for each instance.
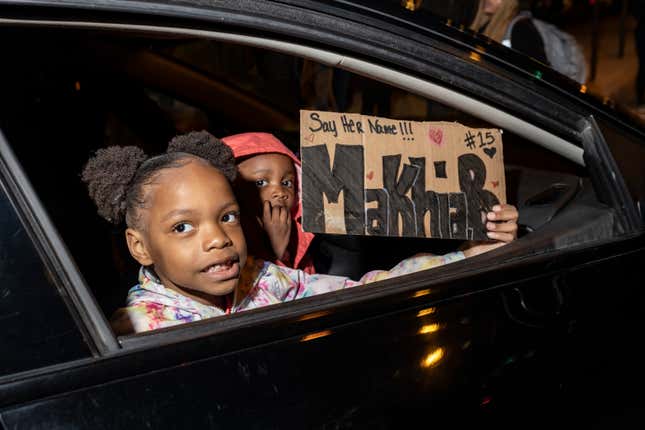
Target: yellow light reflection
{"type": "Point", "coordinates": [427, 311]}
{"type": "Point", "coordinates": [77, 86]}
{"type": "Point", "coordinates": [421, 293]}
{"type": "Point", "coordinates": [475, 56]}
{"type": "Point", "coordinates": [411, 4]}
{"type": "Point", "coordinates": [313, 315]}
{"type": "Point", "coordinates": [316, 335]}
{"type": "Point", "coordinates": [433, 358]}
{"type": "Point", "coordinates": [583, 89]}
{"type": "Point", "coordinates": [429, 328]}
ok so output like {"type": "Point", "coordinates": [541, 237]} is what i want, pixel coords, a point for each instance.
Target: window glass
{"type": "Point", "coordinates": [115, 89]}
{"type": "Point", "coordinates": [36, 329]}
{"type": "Point", "coordinates": [629, 153]}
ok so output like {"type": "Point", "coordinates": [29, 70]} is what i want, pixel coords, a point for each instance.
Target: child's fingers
{"type": "Point", "coordinates": [266, 212]}
{"type": "Point", "coordinates": [284, 215]}
{"type": "Point", "coordinates": [504, 227]}
{"type": "Point", "coordinates": [503, 213]}
{"type": "Point", "coordinates": [276, 214]}
{"type": "Point", "coordinates": [502, 237]}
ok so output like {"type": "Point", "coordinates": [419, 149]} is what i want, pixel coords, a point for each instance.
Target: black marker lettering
{"type": "Point", "coordinates": [346, 176]}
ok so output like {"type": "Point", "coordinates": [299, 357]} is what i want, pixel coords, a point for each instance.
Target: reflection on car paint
{"type": "Point", "coordinates": [433, 358]}
{"type": "Point", "coordinates": [316, 335]}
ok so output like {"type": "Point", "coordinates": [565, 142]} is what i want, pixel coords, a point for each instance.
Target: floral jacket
{"type": "Point", "coordinates": [151, 306]}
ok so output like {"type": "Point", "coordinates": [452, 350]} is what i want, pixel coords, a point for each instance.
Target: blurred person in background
{"type": "Point", "coordinates": [493, 18]}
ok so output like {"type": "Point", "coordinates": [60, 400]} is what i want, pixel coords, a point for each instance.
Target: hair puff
{"type": "Point", "coordinates": [108, 175]}
{"type": "Point", "coordinates": [204, 145]}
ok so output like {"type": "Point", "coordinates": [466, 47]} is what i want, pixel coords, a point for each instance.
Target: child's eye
{"type": "Point", "coordinates": [261, 183]}
{"type": "Point", "coordinates": [231, 217]}
{"type": "Point", "coordinates": [287, 183]}
{"type": "Point", "coordinates": [182, 227]}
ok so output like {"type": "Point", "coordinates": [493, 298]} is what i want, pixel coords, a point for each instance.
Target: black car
{"type": "Point", "coordinates": [541, 331]}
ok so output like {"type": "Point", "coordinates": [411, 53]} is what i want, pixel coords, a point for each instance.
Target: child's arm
{"type": "Point", "coordinates": [276, 221]}
{"type": "Point", "coordinates": [277, 284]}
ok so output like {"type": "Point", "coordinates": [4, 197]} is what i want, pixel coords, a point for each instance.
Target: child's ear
{"type": "Point", "coordinates": [137, 247]}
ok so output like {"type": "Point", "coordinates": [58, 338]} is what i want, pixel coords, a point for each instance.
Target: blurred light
{"type": "Point", "coordinates": [449, 22]}
{"type": "Point", "coordinates": [475, 56]}
{"type": "Point", "coordinates": [424, 312]}
{"type": "Point", "coordinates": [583, 89]}
{"type": "Point", "coordinates": [433, 358]}
{"type": "Point", "coordinates": [77, 86]}
{"type": "Point", "coordinates": [316, 335]}
{"type": "Point", "coordinates": [313, 315]}
{"type": "Point", "coordinates": [411, 4]}
{"type": "Point", "coordinates": [486, 400]}
{"type": "Point", "coordinates": [480, 48]}
{"type": "Point", "coordinates": [429, 328]}
{"type": "Point", "coordinates": [538, 74]}
{"type": "Point", "coordinates": [421, 293]}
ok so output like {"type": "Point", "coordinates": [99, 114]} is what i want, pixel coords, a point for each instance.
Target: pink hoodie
{"type": "Point", "coordinates": [249, 144]}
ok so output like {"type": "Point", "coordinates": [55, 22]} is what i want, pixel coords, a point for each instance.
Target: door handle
{"type": "Point", "coordinates": [535, 310]}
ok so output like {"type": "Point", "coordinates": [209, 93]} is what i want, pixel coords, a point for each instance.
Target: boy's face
{"type": "Point", "coordinates": [193, 236]}
{"type": "Point", "coordinates": [273, 176]}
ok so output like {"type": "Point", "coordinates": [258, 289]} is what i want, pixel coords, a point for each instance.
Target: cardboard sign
{"type": "Point", "coordinates": [365, 175]}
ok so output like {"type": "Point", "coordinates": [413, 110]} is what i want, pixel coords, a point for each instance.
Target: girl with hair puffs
{"type": "Point", "coordinates": [183, 227]}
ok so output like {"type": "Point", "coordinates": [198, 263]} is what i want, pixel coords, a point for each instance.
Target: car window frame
{"type": "Point", "coordinates": [83, 300]}
{"type": "Point", "coordinates": [47, 241]}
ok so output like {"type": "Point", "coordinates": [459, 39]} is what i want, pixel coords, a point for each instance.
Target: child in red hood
{"type": "Point", "coordinates": [267, 186]}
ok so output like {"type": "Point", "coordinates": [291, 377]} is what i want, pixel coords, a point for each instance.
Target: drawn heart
{"type": "Point", "coordinates": [495, 183]}
{"type": "Point", "coordinates": [435, 135]}
{"type": "Point", "coordinates": [310, 138]}
{"type": "Point", "coordinates": [490, 152]}
{"type": "Point", "coordinates": [370, 175]}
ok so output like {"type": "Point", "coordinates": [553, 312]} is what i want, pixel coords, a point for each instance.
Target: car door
{"type": "Point", "coordinates": [453, 351]}
{"type": "Point", "coordinates": [500, 337]}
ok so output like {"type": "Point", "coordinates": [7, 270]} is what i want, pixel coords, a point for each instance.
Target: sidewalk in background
{"type": "Point", "coordinates": [615, 76]}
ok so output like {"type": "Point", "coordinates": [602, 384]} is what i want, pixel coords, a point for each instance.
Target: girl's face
{"type": "Point", "coordinates": [193, 236]}
{"type": "Point", "coordinates": [274, 177]}
{"type": "Point", "coordinates": [491, 6]}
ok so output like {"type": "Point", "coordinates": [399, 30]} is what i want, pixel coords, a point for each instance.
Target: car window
{"type": "Point", "coordinates": [37, 329]}
{"type": "Point", "coordinates": [137, 90]}
{"type": "Point", "coordinates": [629, 153]}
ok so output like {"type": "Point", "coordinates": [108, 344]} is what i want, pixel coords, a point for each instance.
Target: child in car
{"type": "Point", "coordinates": [268, 185]}
{"type": "Point", "coordinates": [183, 227]}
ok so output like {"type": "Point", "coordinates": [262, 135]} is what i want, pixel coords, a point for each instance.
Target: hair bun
{"type": "Point", "coordinates": [108, 175]}
{"type": "Point", "coordinates": [204, 145]}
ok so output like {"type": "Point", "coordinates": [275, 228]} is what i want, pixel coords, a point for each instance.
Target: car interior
{"type": "Point", "coordinates": [67, 93]}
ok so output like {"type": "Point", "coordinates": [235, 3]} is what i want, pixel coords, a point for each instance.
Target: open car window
{"type": "Point", "coordinates": [142, 90]}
